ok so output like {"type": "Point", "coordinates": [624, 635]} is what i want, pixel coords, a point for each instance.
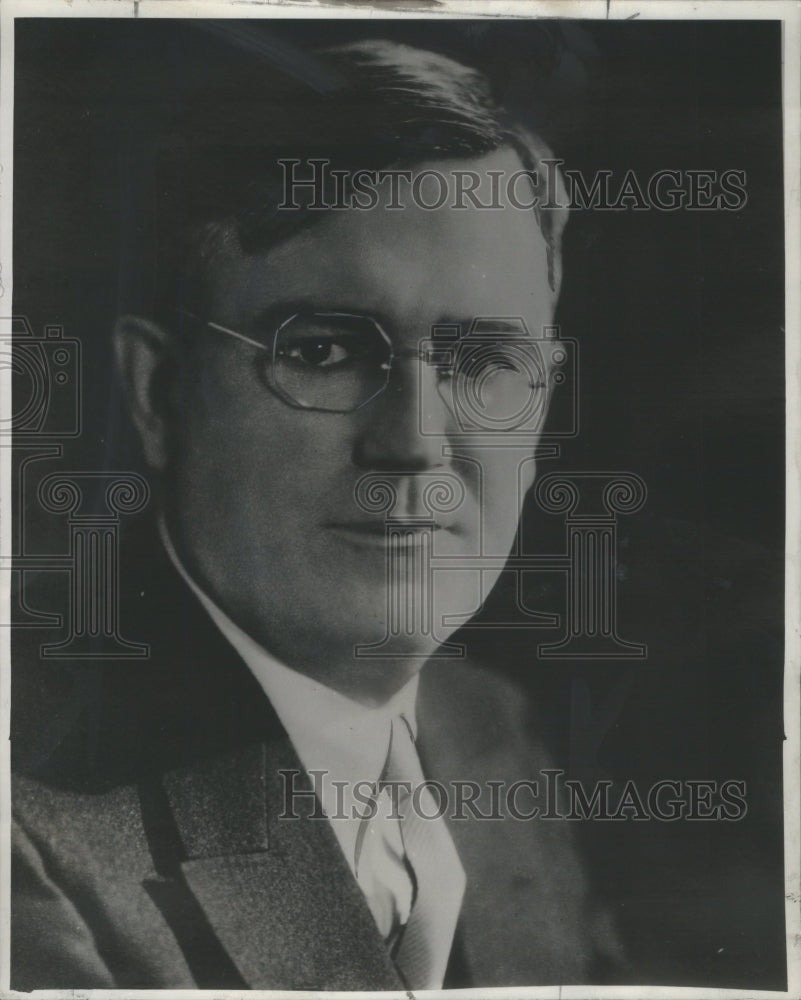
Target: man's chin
{"type": "Point", "coordinates": [408, 627]}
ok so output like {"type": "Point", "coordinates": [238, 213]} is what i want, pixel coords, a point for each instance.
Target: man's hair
{"type": "Point", "coordinates": [364, 105]}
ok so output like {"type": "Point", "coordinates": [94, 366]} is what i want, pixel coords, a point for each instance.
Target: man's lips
{"type": "Point", "coordinates": [374, 532]}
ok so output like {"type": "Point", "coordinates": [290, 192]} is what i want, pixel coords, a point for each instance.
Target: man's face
{"type": "Point", "coordinates": [261, 495]}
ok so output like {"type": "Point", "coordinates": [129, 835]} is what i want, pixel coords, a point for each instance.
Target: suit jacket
{"type": "Point", "coordinates": [149, 852]}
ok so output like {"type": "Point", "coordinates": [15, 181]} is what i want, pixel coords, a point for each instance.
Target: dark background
{"type": "Point", "coordinates": [679, 318]}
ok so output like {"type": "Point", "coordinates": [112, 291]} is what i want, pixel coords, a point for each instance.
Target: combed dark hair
{"type": "Point", "coordinates": [366, 105]}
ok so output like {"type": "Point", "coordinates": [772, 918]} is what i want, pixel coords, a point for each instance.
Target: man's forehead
{"type": "Point", "coordinates": [468, 259]}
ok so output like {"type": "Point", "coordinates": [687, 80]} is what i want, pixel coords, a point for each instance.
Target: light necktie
{"type": "Point", "coordinates": [422, 950]}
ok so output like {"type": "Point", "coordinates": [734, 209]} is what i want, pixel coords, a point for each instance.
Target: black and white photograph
{"type": "Point", "coordinates": [399, 499]}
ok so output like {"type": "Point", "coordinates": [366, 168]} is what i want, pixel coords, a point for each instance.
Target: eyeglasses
{"type": "Point", "coordinates": [337, 362]}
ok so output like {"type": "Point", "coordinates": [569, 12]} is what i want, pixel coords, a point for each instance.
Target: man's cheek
{"type": "Point", "coordinates": [508, 475]}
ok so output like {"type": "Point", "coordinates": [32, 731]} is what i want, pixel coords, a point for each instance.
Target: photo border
{"type": "Point", "coordinates": [786, 11]}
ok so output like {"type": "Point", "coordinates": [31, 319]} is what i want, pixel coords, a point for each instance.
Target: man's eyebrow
{"type": "Point", "coordinates": [277, 312]}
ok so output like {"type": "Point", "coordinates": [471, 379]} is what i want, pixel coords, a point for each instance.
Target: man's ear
{"type": "Point", "coordinates": [145, 360]}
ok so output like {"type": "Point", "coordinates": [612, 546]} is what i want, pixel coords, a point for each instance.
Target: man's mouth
{"type": "Point", "coordinates": [383, 535]}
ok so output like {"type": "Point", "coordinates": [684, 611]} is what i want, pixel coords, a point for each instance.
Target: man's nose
{"type": "Point", "coordinates": [402, 429]}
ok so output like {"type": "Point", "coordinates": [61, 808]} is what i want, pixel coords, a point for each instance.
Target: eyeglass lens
{"type": "Point", "coordinates": [338, 362]}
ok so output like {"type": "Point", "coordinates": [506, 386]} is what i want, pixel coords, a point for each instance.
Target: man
{"type": "Point", "coordinates": [326, 398]}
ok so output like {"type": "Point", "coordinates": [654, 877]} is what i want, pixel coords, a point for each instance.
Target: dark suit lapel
{"type": "Point", "coordinates": [277, 892]}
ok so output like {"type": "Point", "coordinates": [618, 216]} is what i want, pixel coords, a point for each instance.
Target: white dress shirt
{"type": "Point", "coordinates": [346, 741]}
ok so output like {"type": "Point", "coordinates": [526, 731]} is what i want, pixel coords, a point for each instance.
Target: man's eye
{"type": "Point", "coordinates": [318, 352]}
